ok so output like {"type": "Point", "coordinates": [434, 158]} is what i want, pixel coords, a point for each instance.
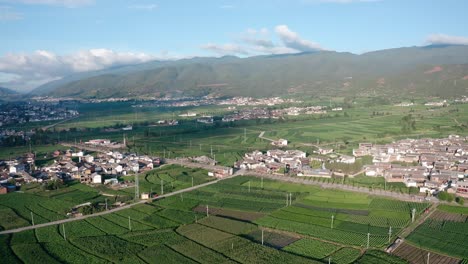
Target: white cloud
{"type": "Point", "coordinates": [292, 40]}
{"type": "Point", "coordinates": [7, 13]}
{"type": "Point", "coordinates": [256, 42]}
{"type": "Point", "coordinates": [66, 3]}
{"type": "Point", "coordinates": [149, 7]}
{"type": "Point", "coordinates": [225, 49]}
{"type": "Point", "coordinates": [258, 37]}
{"type": "Point", "coordinates": [446, 39]}
{"type": "Point", "coordinates": [25, 71]}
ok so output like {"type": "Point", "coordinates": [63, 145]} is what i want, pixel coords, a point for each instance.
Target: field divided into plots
{"type": "Point", "coordinates": [178, 229]}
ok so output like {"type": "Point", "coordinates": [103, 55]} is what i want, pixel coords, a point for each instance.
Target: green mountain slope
{"type": "Point", "coordinates": [428, 71]}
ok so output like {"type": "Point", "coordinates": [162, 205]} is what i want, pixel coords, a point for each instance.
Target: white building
{"type": "Point", "coordinates": [97, 179]}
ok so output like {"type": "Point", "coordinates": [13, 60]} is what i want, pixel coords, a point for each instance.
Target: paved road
{"type": "Point", "coordinates": [262, 137]}
{"type": "Point", "coordinates": [89, 147]}
{"type": "Point", "coordinates": [112, 210]}
{"type": "Point", "coordinates": [54, 124]}
{"type": "Point", "coordinates": [398, 196]}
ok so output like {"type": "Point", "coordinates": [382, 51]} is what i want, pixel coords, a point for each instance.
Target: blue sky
{"type": "Point", "coordinates": [44, 40]}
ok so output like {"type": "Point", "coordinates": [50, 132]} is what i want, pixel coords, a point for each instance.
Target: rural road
{"type": "Point", "coordinates": [398, 196]}
{"type": "Point", "coordinates": [54, 124]}
{"type": "Point", "coordinates": [262, 137]}
{"type": "Point", "coordinates": [112, 210]}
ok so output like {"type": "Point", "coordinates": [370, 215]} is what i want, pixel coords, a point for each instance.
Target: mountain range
{"type": "Point", "coordinates": [413, 71]}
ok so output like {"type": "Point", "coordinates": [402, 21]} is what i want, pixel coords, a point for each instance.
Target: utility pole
{"type": "Point", "coordinates": [129, 224]}
{"type": "Point", "coordinates": [262, 237]}
{"type": "Point", "coordinates": [32, 218]}
{"type": "Point", "coordinates": [137, 188]}
{"type": "Point", "coordinates": [262, 182]}
{"type": "Point", "coordinates": [332, 218]}
{"type": "Point", "coordinates": [249, 186]}
{"type": "Point", "coordinates": [64, 235]}
{"type": "Point", "coordinates": [413, 213]}
{"type": "Point", "coordinates": [368, 238]}
{"type": "Point", "coordinates": [245, 135]}
{"type": "Point", "coordinates": [389, 234]}
{"type": "Point", "coordinates": [287, 200]}
{"type": "Point", "coordinates": [207, 211]}
{"type": "Point", "coordinates": [428, 255]}
{"type": "Point", "coordinates": [192, 181]}
{"type": "Point", "coordinates": [290, 198]}
{"type": "Point", "coordinates": [329, 260]}
{"type": "Point", "coordinates": [106, 204]}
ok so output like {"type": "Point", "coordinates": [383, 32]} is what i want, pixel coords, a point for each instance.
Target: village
{"type": "Point", "coordinates": [20, 113]}
{"type": "Point", "coordinates": [86, 167]}
{"type": "Point", "coordinates": [431, 165]}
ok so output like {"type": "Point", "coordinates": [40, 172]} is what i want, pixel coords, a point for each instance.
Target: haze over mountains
{"type": "Point", "coordinates": [6, 91]}
{"type": "Point", "coordinates": [414, 71]}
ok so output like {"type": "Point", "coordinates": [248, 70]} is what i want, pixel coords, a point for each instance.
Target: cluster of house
{"type": "Point", "coordinates": [205, 120]}
{"type": "Point", "coordinates": [281, 161]}
{"type": "Point", "coordinates": [304, 110]}
{"type": "Point", "coordinates": [249, 114]}
{"type": "Point", "coordinates": [7, 133]}
{"type": "Point", "coordinates": [106, 143]}
{"type": "Point", "coordinates": [463, 100]}
{"type": "Point", "coordinates": [22, 112]}
{"type": "Point", "coordinates": [68, 165]}
{"type": "Point", "coordinates": [430, 164]}
{"type": "Point", "coordinates": [171, 122]}
{"type": "Point", "coordinates": [437, 103]}
{"type": "Point", "coordinates": [48, 99]}
{"type": "Point", "coordinates": [265, 113]}
{"type": "Point", "coordinates": [255, 102]}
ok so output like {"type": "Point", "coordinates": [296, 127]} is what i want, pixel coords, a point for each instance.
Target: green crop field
{"type": "Point", "coordinates": [312, 248]}
{"type": "Point", "coordinates": [227, 139]}
{"type": "Point", "coordinates": [447, 237]}
{"type": "Point", "coordinates": [177, 229]}
{"type": "Point", "coordinates": [378, 257]}
{"type": "Point", "coordinates": [18, 209]}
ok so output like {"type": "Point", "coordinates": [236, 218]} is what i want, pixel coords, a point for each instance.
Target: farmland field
{"type": "Point", "coordinates": [417, 255]}
{"type": "Point", "coordinates": [446, 237]}
{"type": "Point", "coordinates": [177, 229]}
{"type": "Point", "coordinates": [378, 257]}
{"type": "Point", "coordinates": [19, 209]}
{"type": "Point", "coordinates": [312, 248]}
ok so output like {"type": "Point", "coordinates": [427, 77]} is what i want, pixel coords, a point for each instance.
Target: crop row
{"type": "Point", "coordinates": [336, 235]}
{"type": "Point", "coordinates": [453, 244]}
{"type": "Point", "coordinates": [311, 248]}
